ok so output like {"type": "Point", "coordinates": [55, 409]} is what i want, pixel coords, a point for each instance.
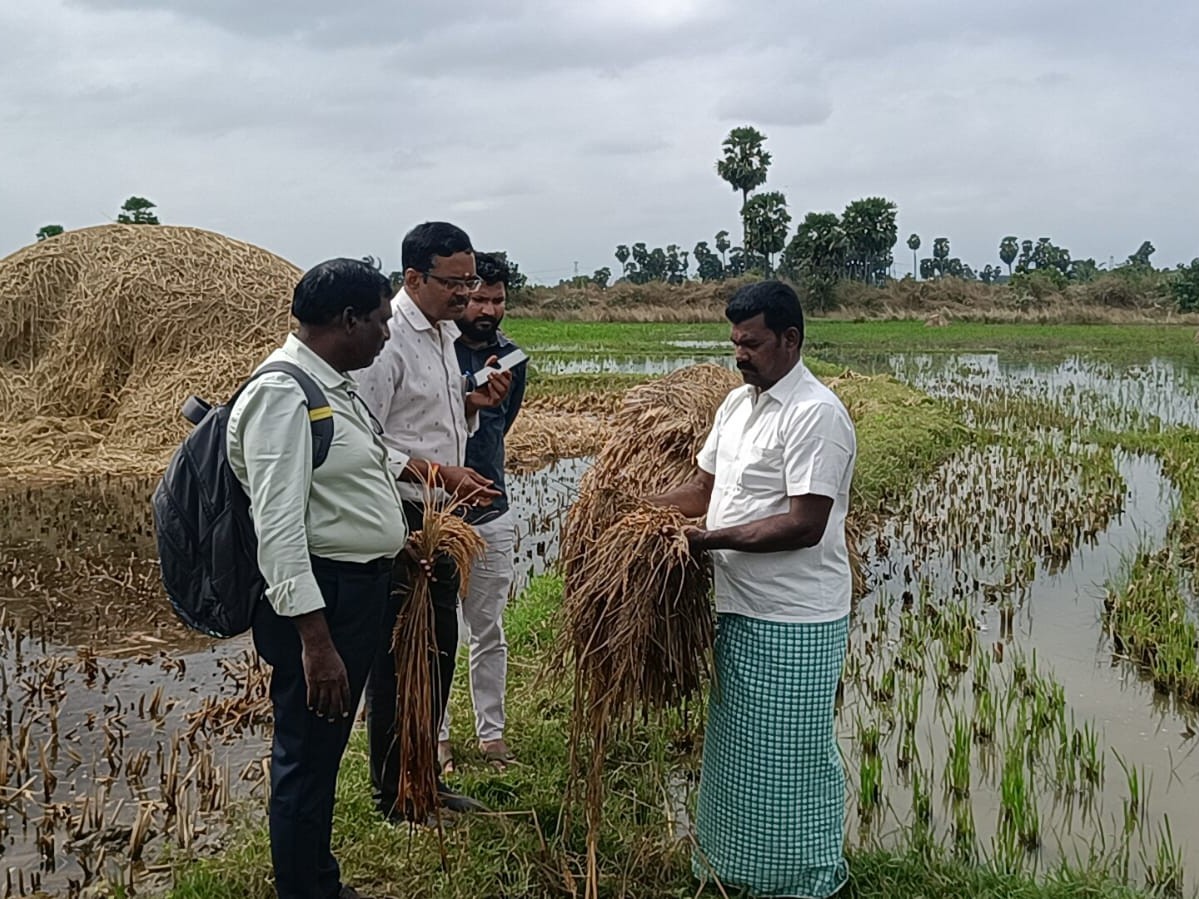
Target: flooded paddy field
{"type": "Point", "coordinates": [993, 706]}
{"type": "Point", "coordinates": [124, 736]}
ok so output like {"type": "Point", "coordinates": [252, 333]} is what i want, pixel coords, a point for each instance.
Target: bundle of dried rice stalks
{"type": "Point", "coordinates": [638, 620]}
{"type": "Point", "coordinates": [639, 628]}
{"type": "Point", "coordinates": [414, 649]}
{"type": "Point", "coordinates": [539, 437]}
{"type": "Point", "coordinates": [639, 623]}
{"type": "Point", "coordinates": [651, 448]}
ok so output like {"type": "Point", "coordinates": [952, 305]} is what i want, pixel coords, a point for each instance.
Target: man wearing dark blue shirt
{"type": "Point", "coordinates": [491, 578]}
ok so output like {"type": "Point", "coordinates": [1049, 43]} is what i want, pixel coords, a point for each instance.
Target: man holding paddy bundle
{"type": "Point", "coordinates": [416, 391]}
{"type": "Point", "coordinates": [773, 481]}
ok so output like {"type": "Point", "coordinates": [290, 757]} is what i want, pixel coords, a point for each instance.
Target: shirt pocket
{"type": "Point", "coordinates": [761, 470]}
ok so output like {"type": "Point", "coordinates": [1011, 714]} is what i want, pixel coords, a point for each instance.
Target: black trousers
{"type": "Point", "coordinates": [381, 687]}
{"type": "Point", "coordinates": [307, 750]}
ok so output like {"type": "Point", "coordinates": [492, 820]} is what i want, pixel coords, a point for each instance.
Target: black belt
{"type": "Point", "coordinates": [374, 566]}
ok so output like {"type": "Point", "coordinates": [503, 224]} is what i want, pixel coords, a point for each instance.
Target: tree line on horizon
{"type": "Point", "coordinates": [824, 250]}
{"type": "Point", "coordinates": [858, 245]}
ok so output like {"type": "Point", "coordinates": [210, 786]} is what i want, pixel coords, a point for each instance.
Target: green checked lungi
{"type": "Point", "coordinates": [770, 813]}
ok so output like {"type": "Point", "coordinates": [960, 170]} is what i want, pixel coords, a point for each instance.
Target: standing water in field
{"type": "Point", "coordinates": [985, 706]}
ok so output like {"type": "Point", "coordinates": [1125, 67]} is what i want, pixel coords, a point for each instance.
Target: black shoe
{"type": "Point", "coordinates": [458, 802]}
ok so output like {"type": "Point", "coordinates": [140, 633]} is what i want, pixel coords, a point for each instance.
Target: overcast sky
{"type": "Point", "coordinates": [557, 130]}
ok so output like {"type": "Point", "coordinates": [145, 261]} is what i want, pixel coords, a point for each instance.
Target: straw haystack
{"type": "Point", "coordinates": [118, 324]}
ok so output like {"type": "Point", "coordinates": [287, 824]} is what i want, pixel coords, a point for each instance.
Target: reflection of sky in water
{"type": "Point", "coordinates": [1099, 393]}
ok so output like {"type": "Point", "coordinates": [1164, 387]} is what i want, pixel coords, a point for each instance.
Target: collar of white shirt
{"type": "Point", "coordinates": [404, 306]}
{"type": "Point", "coordinates": [301, 354]}
{"type": "Point", "coordinates": [784, 386]}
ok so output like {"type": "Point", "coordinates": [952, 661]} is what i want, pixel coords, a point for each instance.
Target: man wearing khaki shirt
{"type": "Point", "coordinates": [326, 540]}
{"type": "Point", "coordinates": [416, 390]}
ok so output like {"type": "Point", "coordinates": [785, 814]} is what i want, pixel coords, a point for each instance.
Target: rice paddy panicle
{"type": "Point", "coordinates": [636, 610]}
{"type": "Point", "coordinates": [652, 443]}
{"type": "Point", "coordinates": [639, 629]}
{"type": "Point", "coordinates": [414, 649]}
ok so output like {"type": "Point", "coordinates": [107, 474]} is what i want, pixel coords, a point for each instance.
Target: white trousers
{"type": "Point", "coordinates": [481, 614]}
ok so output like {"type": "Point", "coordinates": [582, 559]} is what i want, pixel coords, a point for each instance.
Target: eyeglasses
{"type": "Point", "coordinates": [376, 426]}
{"type": "Point", "coordinates": [467, 284]}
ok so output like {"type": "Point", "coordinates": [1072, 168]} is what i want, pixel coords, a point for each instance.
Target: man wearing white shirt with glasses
{"type": "Point", "coordinates": [417, 392]}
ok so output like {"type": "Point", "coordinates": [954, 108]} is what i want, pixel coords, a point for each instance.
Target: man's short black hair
{"type": "Point", "coordinates": [493, 269]}
{"type": "Point", "coordinates": [775, 301]}
{"type": "Point", "coordinates": [431, 239]}
{"type": "Point", "coordinates": [328, 288]}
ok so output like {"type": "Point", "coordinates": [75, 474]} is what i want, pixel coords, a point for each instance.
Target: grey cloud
{"type": "Point", "coordinates": [786, 106]}
{"type": "Point", "coordinates": [557, 131]}
{"type": "Point", "coordinates": [630, 145]}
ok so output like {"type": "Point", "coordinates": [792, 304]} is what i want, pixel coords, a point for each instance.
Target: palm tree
{"type": "Point", "coordinates": [766, 222]}
{"type": "Point", "coordinates": [1009, 249]}
{"type": "Point", "coordinates": [914, 245]}
{"type": "Point", "coordinates": [744, 164]}
{"type": "Point", "coordinates": [722, 245]}
{"type": "Point", "coordinates": [622, 256]}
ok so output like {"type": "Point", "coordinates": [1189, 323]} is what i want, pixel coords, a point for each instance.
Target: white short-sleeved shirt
{"type": "Point", "coordinates": [766, 446]}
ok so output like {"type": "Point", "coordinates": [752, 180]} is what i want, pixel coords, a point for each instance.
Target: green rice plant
{"type": "Point", "coordinates": [964, 838]}
{"type": "Point", "coordinates": [945, 678]}
{"type": "Point", "coordinates": [982, 668]}
{"type": "Point", "coordinates": [870, 786]}
{"type": "Point", "coordinates": [1090, 757]}
{"type": "Point", "coordinates": [984, 717]}
{"type": "Point", "coordinates": [907, 751]}
{"type": "Point", "coordinates": [920, 834]}
{"type": "Point", "coordinates": [869, 738]}
{"type": "Point", "coordinates": [957, 768]}
{"type": "Point", "coordinates": [1135, 803]}
{"type": "Point", "coordinates": [885, 689]}
{"type": "Point", "coordinates": [1066, 761]}
{"type": "Point", "coordinates": [1164, 871]}
{"type": "Point", "coordinates": [1019, 822]}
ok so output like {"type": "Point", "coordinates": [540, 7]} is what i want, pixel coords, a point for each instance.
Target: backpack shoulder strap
{"type": "Point", "coordinates": [320, 413]}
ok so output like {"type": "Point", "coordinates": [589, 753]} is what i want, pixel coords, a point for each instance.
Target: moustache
{"type": "Point", "coordinates": [485, 321]}
{"type": "Point", "coordinates": [746, 367]}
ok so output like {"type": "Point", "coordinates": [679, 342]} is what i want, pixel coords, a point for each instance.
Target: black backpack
{"type": "Point", "coordinates": [207, 548]}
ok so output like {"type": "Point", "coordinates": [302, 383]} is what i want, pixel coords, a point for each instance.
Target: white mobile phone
{"type": "Point", "coordinates": [504, 363]}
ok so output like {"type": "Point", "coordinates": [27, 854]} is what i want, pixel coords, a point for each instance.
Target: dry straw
{"type": "Point", "coordinates": [107, 330]}
{"type": "Point", "coordinates": [414, 649]}
{"type": "Point", "coordinates": [638, 620]}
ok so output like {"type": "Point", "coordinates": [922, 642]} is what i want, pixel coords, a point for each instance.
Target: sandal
{"type": "Point", "coordinates": [445, 757]}
{"type": "Point", "coordinates": [497, 754]}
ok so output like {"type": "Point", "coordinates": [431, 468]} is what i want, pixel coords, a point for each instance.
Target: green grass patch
{"type": "Point", "coordinates": [876, 875]}
{"type": "Point", "coordinates": [615, 338]}
{"type": "Point", "coordinates": [1148, 611]}
{"type": "Point", "coordinates": [837, 339]}
{"type": "Point", "coordinates": [903, 435]}
{"type": "Point", "coordinates": [546, 385]}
